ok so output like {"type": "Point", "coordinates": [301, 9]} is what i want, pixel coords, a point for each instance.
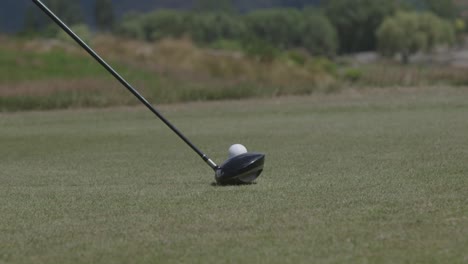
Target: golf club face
{"type": "Point", "coordinates": [241, 169]}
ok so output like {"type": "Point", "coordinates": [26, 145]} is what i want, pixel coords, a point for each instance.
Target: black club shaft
{"type": "Point", "coordinates": [127, 85]}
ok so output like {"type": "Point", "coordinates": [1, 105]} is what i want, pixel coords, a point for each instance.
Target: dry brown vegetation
{"type": "Point", "coordinates": [385, 74]}
{"type": "Point", "coordinates": [165, 71]}
{"type": "Point", "coordinates": [170, 70]}
{"type": "Point", "coordinates": [184, 60]}
{"type": "Point", "coordinates": [47, 87]}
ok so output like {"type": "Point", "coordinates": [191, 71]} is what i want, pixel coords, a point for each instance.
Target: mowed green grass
{"type": "Point", "coordinates": [358, 177]}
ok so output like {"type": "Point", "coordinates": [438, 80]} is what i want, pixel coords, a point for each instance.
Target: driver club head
{"type": "Point", "coordinates": [242, 169]}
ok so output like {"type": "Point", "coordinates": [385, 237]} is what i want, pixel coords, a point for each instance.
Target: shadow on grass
{"type": "Point", "coordinates": [215, 184]}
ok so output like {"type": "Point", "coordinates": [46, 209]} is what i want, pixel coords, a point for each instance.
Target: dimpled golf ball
{"type": "Point", "coordinates": [236, 150]}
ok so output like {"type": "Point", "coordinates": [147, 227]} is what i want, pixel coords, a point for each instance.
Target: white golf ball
{"type": "Point", "coordinates": [236, 150]}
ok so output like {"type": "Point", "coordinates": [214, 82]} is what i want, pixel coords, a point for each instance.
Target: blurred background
{"type": "Point", "coordinates": [195, 50]}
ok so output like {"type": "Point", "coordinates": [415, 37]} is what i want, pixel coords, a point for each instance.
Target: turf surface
{"type": "Point", "coordinates": [365, 177]}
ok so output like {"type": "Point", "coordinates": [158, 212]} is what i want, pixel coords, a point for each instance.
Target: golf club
{"type": "Point", "coordinates": [241, 169]}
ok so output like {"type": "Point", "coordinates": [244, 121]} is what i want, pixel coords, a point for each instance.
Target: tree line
{"type": "Point", "coordinates": [262, 30]}
{"type": "Point", "coordinates": [335, 27]}
{"type": "Point", "coordinates": [37, 23]}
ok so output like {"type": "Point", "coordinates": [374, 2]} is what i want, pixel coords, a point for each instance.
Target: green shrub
{"type": "Point", "coordinates": [81, 30]}
{"type": "Point", "coordinates": [165, 24]}
{"type": "Point", "coordinates": [224, 44]}
{"type": "Point", "coordinates": [407, 33]}
{"type": "Point", "coordinates": [353, 75]}
{"type": "Point", "coordinates": [260, 50]}
{"type": "Point", "coordinates": [357, 20]}
{"type": "Point", "coordinates": [318, 35]}
{"type": "Point", "coordinates": [131, 26]}
{"type": "Point", "coordinates": [279, 27]}
{"type": "Point", "coordinates": [291, 28]}
{"type": "Point", "coordinates": [206, 28]}
{"type": "Point", "coordinates": [325, 65]}
{"type": "Point", "coordinates": [296, 57]}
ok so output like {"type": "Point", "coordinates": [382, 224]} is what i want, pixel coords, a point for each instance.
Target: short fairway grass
{"type": "Point", "coordinates": [360, 177]}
